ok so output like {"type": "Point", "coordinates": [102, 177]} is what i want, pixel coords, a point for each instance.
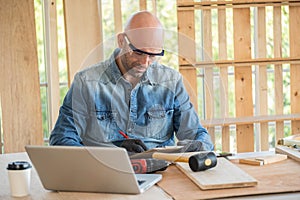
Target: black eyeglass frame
{"type": "Point", "coordinates": [133, 48]}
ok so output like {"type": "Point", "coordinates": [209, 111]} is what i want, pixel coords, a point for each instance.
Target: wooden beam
{"type": "Point", "coordinates": [203, 5]}
{"type": "Point", "coordinates": [187, 51]}
{"type": "Point", "coordinates": [295, 68]}
{"type": "Point", "coordinates": [118, 16]}
{"type": "Point", "coordinates": [243, 78]}
{"type": "Point", "coordinates": [19, 76]}
{"type": "Point", "coordinates": [51, 49]}
{"type": "Point", "coordinates": [249, 120]}
{"type": "Point", "coordinates": [208, 72]}
{"type": "Point", "coordinates": [277, 31]}
{"type": "Point", "coordinates": [243, 62]}
{"type": "Point", "coordinates": [143, 4]}
{"type": "Point", "coordinates": [262, 100]}
{"type": "Point", "coordinates": [224, 107]}
{"type": "Point", "coordinates": [83, 34]}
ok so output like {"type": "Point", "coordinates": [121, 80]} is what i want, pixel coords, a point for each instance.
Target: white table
{"type": "Point", "coordinates": [38, 192]}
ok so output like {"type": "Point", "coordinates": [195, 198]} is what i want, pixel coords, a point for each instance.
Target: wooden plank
{"type": "Point", "coordinates": [290, 152]}
{"type": "Point", "coordinates": [215, 178]}
{"type": "Point", "coordinates": [243, 62]}
{"type": "Point", "coordinates": [1, 131]}
{"type": "Point", "coordinates": [143, 4]}
{"type": "Point", "coordinates": [51, 49]}
{"type": "Point", "coordinates": [224, 101]}
{"type": "Point", "coordinates": [19, 78]}
{"type": "Point", "coordinates": [179, 186]}
{"type": "Point", "coordinates": [83, 34]}
{"type": "Point", "coordinates": [154, 8]}
{"type": "Point", "coordinates": [235, 4]}
{"type": "Point", "coordinates": [187, 51]}
{"type": "Point", "coordinates": [208, 72]}
{"type": "Point", "coordinates": [243, 78]}
{"type": "Point", "coordinates": [295, 68]}
{"type": "Point", "coordinates": [262, 78]}
{"type": "Point", "coordinates": [118, 16]}
{"type": "Point", "coordinates": [277, 31]}
{"type": "Point", "coordinates": [250, 120]}
{"type": "Point", "coordinates": [263, 160]}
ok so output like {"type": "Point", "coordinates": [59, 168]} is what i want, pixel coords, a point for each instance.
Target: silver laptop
{"type": "Point", "coordinates": [88, 169]}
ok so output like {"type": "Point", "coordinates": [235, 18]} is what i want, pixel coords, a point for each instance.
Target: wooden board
{"type": "Point", "coordinates": [294, 26]}
{"type": "Point", "coordinates": [83, 34]}
{"type": "Point", "coordinates": [224, 175]}
{"type": "Point", "coordinates": [263, 160]}
{"type": "Point", "coordinates": [271, 179]}
{"type": "Point", "coordinates": [187, 52]}
{"type": "Point", "coordinates": [243, 78]}
{"type": "Point", "coordinates": [292, 153]}
{"type": "Point", "coordinates": [19, 76]}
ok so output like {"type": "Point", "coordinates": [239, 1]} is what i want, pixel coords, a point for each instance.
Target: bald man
{"type": "Point", "coordinates": [131, 100]}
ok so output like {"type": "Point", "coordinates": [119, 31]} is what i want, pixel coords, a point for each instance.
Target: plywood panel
{"type": "Point", "coordinates": [295, 68]}
{"type": "Point", "coordinates": [83, 34]}
{"type": "Point", "coordinates": [243, 78]}
{"type": "Point", "coordinates": [19, 79]}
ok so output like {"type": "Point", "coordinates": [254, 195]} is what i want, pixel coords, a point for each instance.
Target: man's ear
{"type": "Point", "coordinates": [120, 39]}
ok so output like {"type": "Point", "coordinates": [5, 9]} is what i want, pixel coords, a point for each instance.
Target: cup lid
{"type": "Point", "coordinates": [18, 165]}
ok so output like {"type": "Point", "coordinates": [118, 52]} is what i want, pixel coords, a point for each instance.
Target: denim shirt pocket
{"type": "Point", "coordinates": [159, 122]}
{"type": "Point", "coordinates": [107, 124]}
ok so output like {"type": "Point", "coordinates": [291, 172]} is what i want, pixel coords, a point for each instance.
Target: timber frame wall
{"type": "Point", "coordinates": [243, 62]}
{"type": "Point", "coordinates": [20, 106]}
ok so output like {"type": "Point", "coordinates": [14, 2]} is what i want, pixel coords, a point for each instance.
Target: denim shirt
{"type": "Point", "coordinates": [100, 102]}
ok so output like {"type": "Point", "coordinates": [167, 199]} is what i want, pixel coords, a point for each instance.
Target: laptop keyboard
{"type": "Point", "coordinates": [140, 182]}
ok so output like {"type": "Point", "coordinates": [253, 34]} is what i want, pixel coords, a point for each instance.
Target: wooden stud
{"type": "Point", "coordinates": [118, 16]}
{"type": "Point", "coordinates": [250, 120]}
{"type": "Point", "coordinates": [223, 78]}
{"type": "Point", "coordinates": [83, 34]}
{"type": "Point", "coordinates": [51, 46]}
{"type": "Point", "coordinates": [208, 72]}
{"type": "Point", "coordinates": [295, 68]}
{"type": "Point", "coordinates": [187, 51]}
{"type": "Point", "coordinates": [243, 78]}
{"type": "Point", "coordinates": [278, 70]}
{"type": "Point", "coordinates": [143, 4]}
{"type": "Point", "coordinates": [19, 78]}
{"type": "Point", "coordinates": [262, 77]}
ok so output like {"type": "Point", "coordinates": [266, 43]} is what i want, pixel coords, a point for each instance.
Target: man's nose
{"type": "Point", "coordinates": [145, 59]}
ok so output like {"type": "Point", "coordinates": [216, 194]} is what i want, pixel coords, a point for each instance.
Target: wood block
{"type": "Point", "coordinates": [224, 175]}
{"type": "Point", "coordinates": [290, 152]}
{"type": "Point", "coordinates": [263, 160]}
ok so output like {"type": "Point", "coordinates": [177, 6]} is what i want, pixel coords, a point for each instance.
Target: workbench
{"type": "Point", "coordinates": [275, 181]}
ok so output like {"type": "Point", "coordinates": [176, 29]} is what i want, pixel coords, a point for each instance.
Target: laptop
{"type": "Point", "coordinates": [88, 169]}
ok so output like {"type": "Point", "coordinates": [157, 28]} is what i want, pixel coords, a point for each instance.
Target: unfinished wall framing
{"type": "Point", "coordinates": [248, 71]}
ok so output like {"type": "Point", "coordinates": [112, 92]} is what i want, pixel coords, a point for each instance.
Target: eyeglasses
{"type": "Point", "coordinates": [141, 52]}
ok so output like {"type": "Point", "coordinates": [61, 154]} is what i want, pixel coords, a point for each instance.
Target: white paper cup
{"type": "Point", "coordinates": [19, 178]}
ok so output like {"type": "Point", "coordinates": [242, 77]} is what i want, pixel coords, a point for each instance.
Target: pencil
{"type": "Point", "coordinates": [123, 134]}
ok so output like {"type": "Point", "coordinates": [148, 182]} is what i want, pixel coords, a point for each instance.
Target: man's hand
{"type": "Point", "coordinates": [134, 145]}
{"type": "Point", "coordinates": [191, 146]}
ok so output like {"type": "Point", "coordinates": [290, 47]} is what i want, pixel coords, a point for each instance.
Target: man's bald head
{"type": "Point", "coordinates": [145, 31]}
{"type": "Point", "coordinates": [142, 19]}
